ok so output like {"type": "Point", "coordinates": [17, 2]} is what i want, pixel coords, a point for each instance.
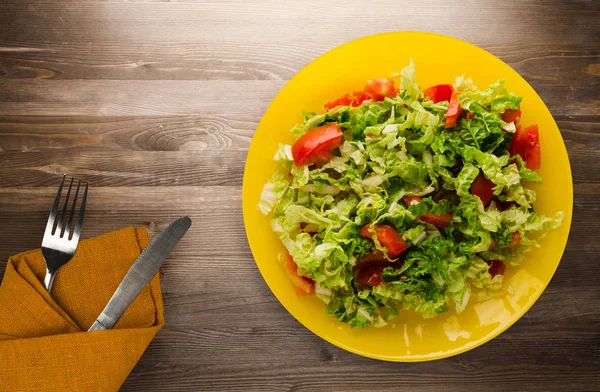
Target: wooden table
{"type": "Point", "coordinates": [155, 103]}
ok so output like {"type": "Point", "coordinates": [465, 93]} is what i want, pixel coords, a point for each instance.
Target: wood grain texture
{"type": "Point", "coordinates": [156, 103]}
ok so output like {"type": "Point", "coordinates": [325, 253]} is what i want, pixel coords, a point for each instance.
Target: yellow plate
{"type": "Point", "coordinates": [438, 59]}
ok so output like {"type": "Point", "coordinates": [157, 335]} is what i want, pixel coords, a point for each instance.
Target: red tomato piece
{"type": "Point", "coordinates": [526, 143]}
{"type": "Point", "coordinates": [358, 97]}
{"type": "Point", "coordinates": [454, 110]}
{"type": "Point", "coordinates": [322, 155]}
{"type": "Point", "coordinates": [511, 115]}
{"type": "Point", "coordinates": [370, 275]}
{"type": "Point", "coordinates": [483, 189]}
{"type": "Point", "coordinates": [469, 115]}
{"type": "Point", "coordinates": [410, 200]}
{"type": "Point", "coordinates": [302, 284]}
{"type": "Point", "coordinates": [316, 145]}
{"type": "Point", "coordinates": [497, 267]}
{"type": "Point", "coordinates": [532, 139]}
{"type": "Point", "coordinates": [366, 231]}
{"type": "Point", "coordinates": [344, 100]}
{"type": "Point", "coordinates": [355, 98]}
{"type": "Point", "coordinates": [378, 89]}
{"type": "Point", "coordinates": [374, 257]}
{"type": "Point", "coordinates": [442, 220]}
{"type": "Point", "coordinates": [516, 239]}
{"type": "Point", "coordinates": [439, 93]}
{"type": "Point", "coordinates": [388, 237]}
{"type": "Point", "coordinates": [516, 145]}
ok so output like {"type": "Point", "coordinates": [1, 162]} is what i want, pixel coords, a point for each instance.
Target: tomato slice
{"type": "Point", "coordinates": [511, 115]}
{"type": "Point", "coordinates": [497, 267]}
{"type": "Point", "coordinates": [526, 143]}
{"type": "Point", "coordinates": [358, 97]}
{"type": "Point", "coordinates": [442, 220]}
{"type": "Point", "coordinates": [316, 145]}
{"type": "Point", "coordinates": [370, 275]}
{"type": "Point", "coordinates": [344, 100]}
{"type": "Point", "coordinates": [454, 110]}
{"type": "Point", "coordinates": [378, 89]}
{"type": "Point", "coordinates": [374, 257]}
{"type": "Point", "coordinates": [322, 155]}
{"type": "Point", "coordinates": [302, 284]}
{"type": "Point", "coordinates": [439, 93]}
{"type": "Point", "coordinates": [388, 237]}
{"type": "Point", "coordinates": [355, 98]}
{"type": "Point", "coordinates": [483, 188]}
{"type": "Point", "coordinates": [517, 147]}
{"type": "Point", "coordinates": [410, 200]}
{"type": "Point", "coordinates": [469, 115]}
{"type": "Point", "coordinates": [532, 139]}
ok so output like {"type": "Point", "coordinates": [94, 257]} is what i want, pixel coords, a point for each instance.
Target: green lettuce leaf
{"type": "Point", "coordinates": [494, 98]}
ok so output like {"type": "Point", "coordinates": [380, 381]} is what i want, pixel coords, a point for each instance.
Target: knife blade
{"type": "Point", "coordinates": [141, 272]}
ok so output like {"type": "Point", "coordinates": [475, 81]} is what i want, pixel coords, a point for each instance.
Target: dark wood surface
{"type": "Point", "coordinates": [156, 102]}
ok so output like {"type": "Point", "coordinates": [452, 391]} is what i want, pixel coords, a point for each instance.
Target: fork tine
{"type": "Point", "coordinates": [77, 230]}
{"type": "Point", "coordinates": [52, 216]}
{"type": "Point", "coordinates": [60, 224]}
{"type": "Point", "coordinates": [68, 228]}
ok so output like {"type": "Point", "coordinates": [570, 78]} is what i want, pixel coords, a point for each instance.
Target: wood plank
{"type": "Point", "coordinates": [133, 97]}
{"type": "Point", "coordinates": [134, 168]}
{"type": "Point", "coordinates": [267, 21]}
{"type": "Point", "coordinates": [558, 63]}
{"type": "Point", "coordinates": [212, 132]}
{"type": "Point", "coordinates": [111, 208]}
{"type": "Point", "coordinates": [451, 377]}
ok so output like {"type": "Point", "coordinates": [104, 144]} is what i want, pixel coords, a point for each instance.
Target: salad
{"type": "Point", "coordinates": [400, 198]}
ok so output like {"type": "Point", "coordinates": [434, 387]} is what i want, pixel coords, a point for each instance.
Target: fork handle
{"type": "Point", "coordinates": [49, 279]}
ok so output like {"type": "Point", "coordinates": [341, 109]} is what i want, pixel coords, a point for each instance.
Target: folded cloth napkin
{"type": "Point", "coordinates": [44, 345]}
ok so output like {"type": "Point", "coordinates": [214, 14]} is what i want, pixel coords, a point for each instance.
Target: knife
{"type": "Point", "coordinates": [141, 272]}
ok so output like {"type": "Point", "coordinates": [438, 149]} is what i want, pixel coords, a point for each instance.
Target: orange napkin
{"type": "Point", "coordinates": [43, 343]}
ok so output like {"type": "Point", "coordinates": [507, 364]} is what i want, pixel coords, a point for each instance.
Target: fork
{"type": "Point", "coordinates": [59, 244]}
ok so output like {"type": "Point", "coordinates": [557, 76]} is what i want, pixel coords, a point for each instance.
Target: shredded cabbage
{"type": "Point", "coordinates": [395, 148]}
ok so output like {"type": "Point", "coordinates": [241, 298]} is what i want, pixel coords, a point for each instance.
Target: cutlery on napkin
{"type": "Point", "coordinates": [39, 332]}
